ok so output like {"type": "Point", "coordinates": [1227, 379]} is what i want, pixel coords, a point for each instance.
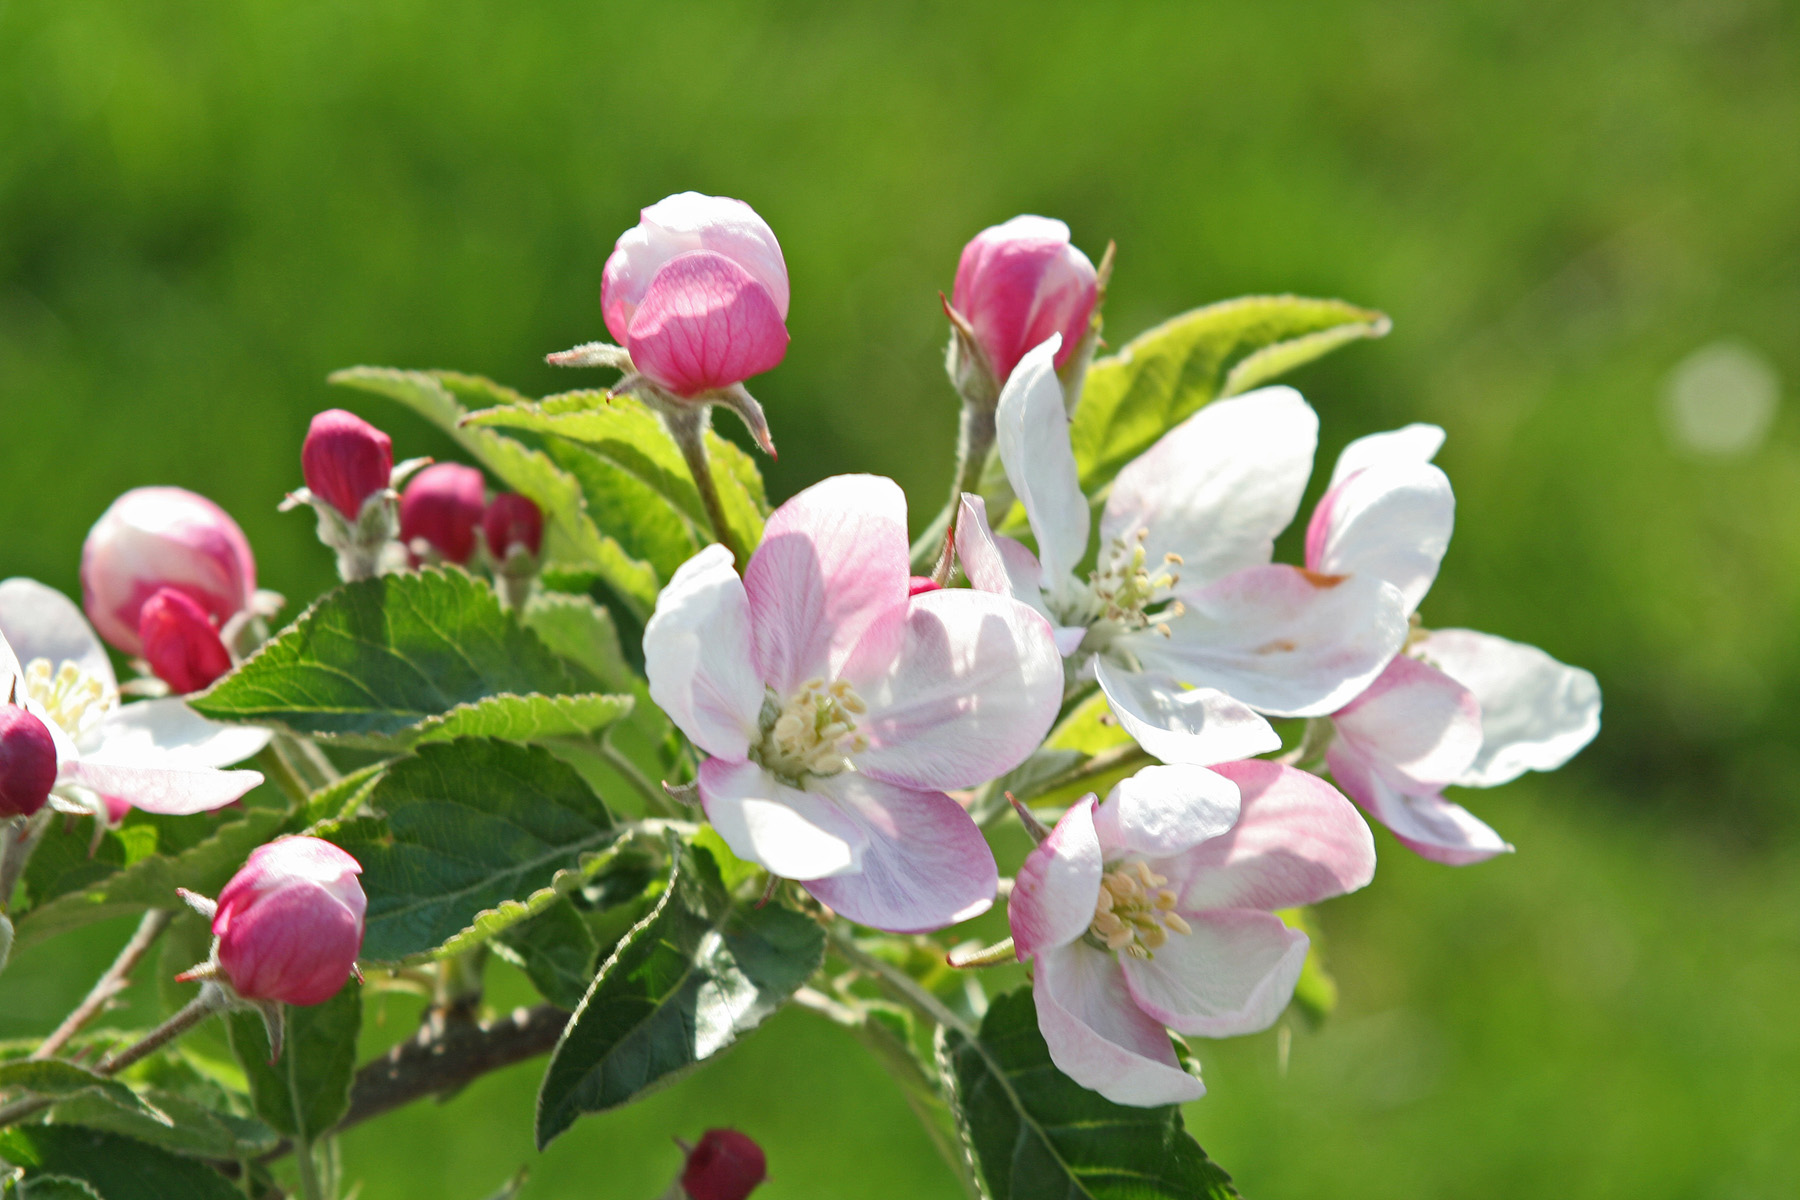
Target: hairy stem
{"type": "Point", "coordinates": [974, 438]}
{"type": "Point", "coordinates": [110, 984]}
{"type": "Point", "coordinates": [274, 762]}
{"type": "Point", "coordinates": [687, 425]}
{"type": "Point", "coordinates": [901, 985]}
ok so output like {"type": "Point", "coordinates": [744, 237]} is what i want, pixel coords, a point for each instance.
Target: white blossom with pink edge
{"type": "Point", "coordinates": [1457, 707]}
{"type": "Point", "coordinates": [1155, 910]}
{"type": "Point", "coordinates": [1185, 622]}
{"type": "Point", "coordinates": [157, 755]}
{"type": "Point", "coordinates": [837, 709]}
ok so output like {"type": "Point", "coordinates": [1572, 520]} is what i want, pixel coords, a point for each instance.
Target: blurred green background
{"type": "Point", "coordinates": [205, 208]}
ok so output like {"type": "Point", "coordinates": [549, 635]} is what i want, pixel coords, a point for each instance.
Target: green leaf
{"type": "Point", "coordinates": [533, 718]}
{"type": "Point", "coordinates": [584, 633]}
{"type": "Point", "coordinates": [688, 981]}
{"type": "Point", "coordinates": [52, 1187]}
{"type": "Point", "coordinates": [556, 950]}
{"type": "Point", "coordinates": [191, 1128]}
{"type": "Point", "coordinates": [373, 662]}
{"type": "Point", "coordinates": [1167, 373]}
{"type": "Point", "coordinates": [470, 826]}
{"type": "Point", "coordinates": [114, 1167]}
{"type": "Point", "coordinates": [570, 538]}
{"type": "Point", "coordinates": [307, 1090]}
{"type": "Point", "coordinates": [341, 798]}
{"type": "Point", "coordinates": [1316, 991]}
{"type": "Point", "coordinates": [54, 1078]}
{"type": "Point", "coordinates": [151, 882]}
{"type": "Point", "coordinates": [1034, 1132]}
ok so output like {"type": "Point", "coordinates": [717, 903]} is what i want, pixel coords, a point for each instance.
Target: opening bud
{"type": "Point", "coordinates": [27, 762]}
{"type": "Point", "coordinates": [512, 523]}
{"type": "Point", "coordinates": [346, 460]}
{"type": "Point", "coordinates": [153, 538]}
{"type": "Point", "coordinates": [439, 511]}
{"type": "Point", "coordinates": [290, 923]}
{"type": "Point", "coordinates": [180, 642]}
{"type": "Point", "coordinates": [726, 1165]}
{"type": "Point", "coordinates": [1020, 282]}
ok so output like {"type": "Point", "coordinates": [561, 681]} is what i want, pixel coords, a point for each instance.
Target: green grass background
{"type": "Point", "coordinates": [204, 208]}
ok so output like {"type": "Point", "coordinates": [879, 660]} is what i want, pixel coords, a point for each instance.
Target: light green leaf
{"type": "Point", "coordinates": [307, 1090]}
{"type": "Point", "coordinates": [526, 718]}
{"type": "Point", "coordinates": [1034, 1132]}
{"type": "Point", "coordinates": [372, 662]}
{"type": "Point", "coordinates": [688, 981]}
{"type": "Point", "coordinates": [114, 1167]}
{"type": "Point", "coordinates": [470, 826]}
{"type": "Point", "coordinates": [556, 951]}
{"type": "Point", "coordinates": [1166, 374]}
{"type": "Point", "coordinates": [55, 1078]}
{"type": "Point", "coordinates": [584, 633]}
{"type": "Point", "coordinates": [191, 1128]}
{"type": "Point", "coordinates": [341, 798]}
{"type": "Point", "coordinates": [571, 538]}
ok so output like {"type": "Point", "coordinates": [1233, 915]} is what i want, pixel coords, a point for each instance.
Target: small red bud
{"type": "Point", "coordinates": [180, 642]}
{"type": "Point", "coordinates": [27, 762]}
{"type": "Point", "coordinates": [918, 585]}
{"type": "Point", "coordinates": [512, 520]}
{"type": "Point", "coordinates": [726, 1165]}
{"type": "Point", "coordinates": [442, 505]}
{"type": "Point", "coordinates": [290, 922]}
{"type": "Point", "coordinates": [346, 460]}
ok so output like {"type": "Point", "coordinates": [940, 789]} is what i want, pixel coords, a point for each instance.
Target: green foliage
{"type": "Point", "coordinates": [556, 950]}
{"type": "Point", "coordinates": [49, 1187]}
{"type": "Point", "coordinates": [1164, 375]}
{"type": "Point", "coordinates": [305, 1091]}
{"type": "Point", "coordinates": [583, 632]}
{"type": "Point", "coordinates": [532, 718]}
{"type": "Point", "coordinates": [695, 975]}
{"type": "Point", "coordinates": [466, 827]}
{"type": "Point", "coordinates": [1034, 1132]}
{"type": "Point", "coordinates": [111, 1166]}
{"type": "Point", "coordinates": [186, 1126]}
{"type": "Point", "coordinates": [56, 1078]}
{"type": "Point", "coordinates": [382, 662]}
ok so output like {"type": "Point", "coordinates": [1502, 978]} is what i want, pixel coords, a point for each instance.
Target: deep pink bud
{"type": "Point", "coordinates": [1020, 282]}
{"type": "Point", "coordinates": [290, 922]}
{"type": "Point", "coordinates": [697, 291]}
{"type": "Point", "coordinates": [442, 505]}
{"type": "Point", "coordinates": [180, 642]}
{"type": "Point", "coordinates": [162, 537]}
{"type": "Point", "coordinates": [27, 762]}
{"type": "Point", "coordinates": [918, 585]}
{"type": "Point", "coordinates": [726, 1165]}
{"type": "Point", "coordinates": [512, 520]}
{"type": "Point", "coordinates": [345, 460]}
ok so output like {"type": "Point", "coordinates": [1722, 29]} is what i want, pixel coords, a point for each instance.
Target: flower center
{"type": "Point", "coordinates": [813, 733]}
{"type": "Point", "coordinates": [1135, 912]}
{"type": "Point", "coordinates": [1124, 589]}
{"type": "Point", "coordinates": [74, 699]}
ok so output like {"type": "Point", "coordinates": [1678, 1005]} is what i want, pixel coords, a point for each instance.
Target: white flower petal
{"type": "Point", "coordinates": [1420, 728]}
{"type": "Point", "coordinates": [1198, 726]}
{"type": "Point", "coordinates": [697, 655]}
{"type": "Point", "coordinates": [1232, 975]}
{"type": "Point", "coordinates": [1391, 521]}
{"type": "Point", "coordinates": [172, 791]}
{"type": "Point", "coordinates": [1054, 893]}
{"type": "Point", "coordinates": [1163, 811]}
{"type": "Point", "coordinates": [1427, 824]}
{"type": "Point", "coordinates": [167, 733]}
{"type": "Point", "coordinates": [1099, 1037]}
{"type": "Point", "coordinates": [1417, 443]}
{"type": "Point", "coordinates": [1536, 713]}
{"type": "Point", "coordinates": [41, 622]}
{"type": "Point", "coordinates": [1032, 429]}
{"type": "Point", "coordinates": [794, 834]}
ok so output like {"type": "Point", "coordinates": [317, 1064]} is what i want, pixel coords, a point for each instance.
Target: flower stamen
{"type": "Point", "coordinates": [70, 696]}
{"type": "Point", "coordinates": [1135, 911]}
{"type": "Point", "coordinates": [813, 733]}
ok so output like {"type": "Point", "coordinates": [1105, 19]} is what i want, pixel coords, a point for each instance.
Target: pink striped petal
{"type": "Point", "coordinates": [1232, 975]}
{"type": "Point", "coordinates": [679, 224]}
{"type": "Point", "coordinates": [1536, 713]}
{"type": "Point", "coordinates": [1099, 1037]}
{"type": "Point", "coordinates": [1428, 825]}
{"type": "Point", "coordinates": [1055, 890]}
{"type": "Point", "coordinates": [705, 323]}
{"type": "Point", "coordinates": [1417, 726]}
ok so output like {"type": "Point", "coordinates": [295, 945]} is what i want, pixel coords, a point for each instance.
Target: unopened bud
{"type": "Point", "coordinates": [1020, 282]}
{"type": "Point", "coordinates": [27, 762]}
{"type": "Point", "coordinates": [441, 508]}
{"type": "Point", "coordinates": [512, 522]}
{"type": "Point", "coordinates": [163, 537]}
{"type": "Point", "coordinates": [180, 642]}
{"type": "Point", "coordinates": [290, 922]}
{"type": "Point", "coordinates": [346, 460]}
{"type": "Point", "coordinates": [918, 585]}
{"type": "Point", "coordinates": [726, 1165]}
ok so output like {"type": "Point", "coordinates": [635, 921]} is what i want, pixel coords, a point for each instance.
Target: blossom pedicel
{"type": "Point", "coordinates": [440, 510]}
{"type": "Point", "coordinates": [290, 923]}
{"type": "Point", "coordinates": [1019, 283]}
{"type": "Point", "coordinates": [152, 538]}
{"type": "Point", "coordinates": [346, 460]}
{"type": "Point", "coordinates": [726, 1165]}
{"type": "Point", "coordinates": [180, 643]}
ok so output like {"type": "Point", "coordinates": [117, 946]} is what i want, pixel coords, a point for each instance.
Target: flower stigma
{"type": "Point", "coordinates": [1135, 912]}
{"type": "Point", "coordinates": [70, 696]}
{"type": "Point", "coordinates": [813, 733]}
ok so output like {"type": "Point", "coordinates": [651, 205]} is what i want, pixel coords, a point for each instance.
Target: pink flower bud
{"type": "Point", "coordinates": [180, 642]}
{"type": "Point", "coordinates": [290, 922]}
{"type": "Point", "coordinates": [918, 585]}
{"type": "Point", "coordinates": [162, 537]}
{"type": "Point", "coordinates": [1020, 282]}
{"type": "Point", "coordinates": [27, 762]}
{"type": "Point", "coordinates": [442, 506]}
{"type": "Point", "coordinates": [726, 1165]}
{"type": "Point", "coordinates": [697, 291]}
{"type": "Point", "coordinates": [345, 460]}
{"type": "Point", "coordinates": [512, 520]}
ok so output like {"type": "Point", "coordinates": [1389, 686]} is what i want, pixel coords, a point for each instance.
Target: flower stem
{"type": "Point", "coordinates": [974, 438]}
{"type": "Point", "coordinates": [900, 984]}
{"type": "Point", "coordinates": [273, 761]}
{"type": "Point", "coordinates": [687, 425]}
{"type": "Point", "coordinates": [109, 984]}
{"type": "Point", "coordinates": [656, 801]}
{"type": "Point", "coordinates": [18, 838]}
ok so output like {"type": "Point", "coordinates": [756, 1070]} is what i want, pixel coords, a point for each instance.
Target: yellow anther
{"type": "Point", "coordinates": [1176, 923]}
{"type": "Point", "coordinates": [1152, 936]}
{"type": "Point", "coordinates": [1134, 912]}
{"type": "Point", "coordinates": [1163, 901]}
{"type": "Point", "coordinates": [813, 733]}
{"type": "Point", "coordinates": [1104, 902]}
{"type": "Point", "coordinates": [1108, 924]}
{"type": "Point", "coordinates": [69, 696]}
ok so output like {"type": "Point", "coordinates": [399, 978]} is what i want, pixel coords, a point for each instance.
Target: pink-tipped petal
{"type": "Point", "coordinates": [697, 655]}
{"type": "Point", "coordinates": [794, 834]}
{"type": "Point", "coordinates": [1296, 841]}
{"type": "Point", "coordinates": [1054, 892]}
{"type": "Point", "coordinates": [1197, 726]}
{"type": "Point", "coordinates": [925, 865]}
{"type": "Point", "coordinates": [1232, 975]}
{"type": "Point", "coordinates": [1099, 1037]}
{"type": "Point", "coordinates": [172, 791]}
{"type": "Point", "coordinates": [1279, 639]}
{"type": "Point", "coordinates": [1163, 811]}
{"type": "Point", "coordinates": [967, 694]}
{"type": "Point", "coordinates": [1219, 487]}
{"type": "Point", "coordinates": [1031, 428]}
{"type": "Point", "coordinates": [706, 323]}
{"type": "Point", "coordinates": [1427, 824]}
{"type": "Point", "coordinates": [1391, 521]}
{"type": "Point", "coordinates": [832, 561]}
{"type": "Point", "coordinates": [1020, 282]}
{"type": "Point", "coordinates": [1536, 713]}
{"type": "Point", "coordinates": [679, 224]}
{"type": "Point", "coordinates": [1419, 727]}
{"type": "Point", "coordinates": [1416, 443]}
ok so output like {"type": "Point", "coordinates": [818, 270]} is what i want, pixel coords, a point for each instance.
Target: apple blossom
{"type": "Point", "coordinates": [440, 510]}
{"type": "Point", "coordinates": [836, 709]}
{"type": "Point", "coordinates": [180, 643]}
{"type": "Point", "coordinates": [346, 460]}
{"type": "Point", "coordinates": [726, 1165]}
{"type": "Point", "coordinates": [1155, 910]}
{"type": "Point", "coordinates": [157, 755]}
{"type": "Point", "coordinates": [27, 762]}
{"type": "Point", "coordinates": [1185, 623]}
{"type": "Point", "coordinates": [163, 537]}
{"type": "Point", "coordinates": [1020, 282]}
{"type": "Point", "coordinates": [290, 923]}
